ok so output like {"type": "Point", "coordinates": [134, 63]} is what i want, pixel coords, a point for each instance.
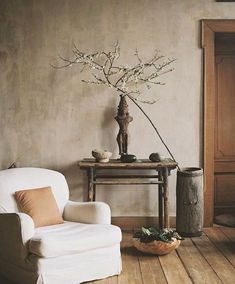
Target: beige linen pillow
{"type": "Point", "coordinates": [40, 204]}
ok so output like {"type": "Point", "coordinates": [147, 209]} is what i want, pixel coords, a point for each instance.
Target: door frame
{"type": "Point", "coordinates": [209, 28]}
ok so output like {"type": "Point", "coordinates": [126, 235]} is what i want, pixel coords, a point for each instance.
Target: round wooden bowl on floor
{"type": "Point", "coordinates": [156, 247]}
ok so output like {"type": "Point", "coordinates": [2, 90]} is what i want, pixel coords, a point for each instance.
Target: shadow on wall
{"type": "Point", "coordinates": [109, 126]}
{"type": "Point", "coordinates": [76, 180]}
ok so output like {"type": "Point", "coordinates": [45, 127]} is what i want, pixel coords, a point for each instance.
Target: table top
{"type": "Point", "coordinates": [117, 164]}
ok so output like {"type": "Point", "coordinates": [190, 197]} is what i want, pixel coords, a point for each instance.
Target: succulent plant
{"type": "Point", "coordinates": [147, 235]}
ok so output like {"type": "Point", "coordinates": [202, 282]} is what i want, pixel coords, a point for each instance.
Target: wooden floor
{"type": "Point", "coordinates": [207, 259]}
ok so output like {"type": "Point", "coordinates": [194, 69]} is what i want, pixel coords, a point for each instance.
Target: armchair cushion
{"type": "Point", "coordinates": [87, 212]}
{"type": "Point", "coordinates": [40, 204]}
{"type": "Point", "coordinates": [72, 238]}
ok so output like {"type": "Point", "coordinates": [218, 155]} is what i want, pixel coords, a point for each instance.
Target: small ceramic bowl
{"type": "Point", "coordinates": [101, 156]}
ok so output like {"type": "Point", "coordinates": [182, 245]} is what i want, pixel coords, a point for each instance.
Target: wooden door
{"type": "Point", "coordinates": [224, 156]}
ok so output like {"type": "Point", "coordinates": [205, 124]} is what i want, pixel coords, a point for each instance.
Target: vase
{"type": "Point", "coordinates": [189, 202]}
{"type": "Point", "coordinates": [123, 119]}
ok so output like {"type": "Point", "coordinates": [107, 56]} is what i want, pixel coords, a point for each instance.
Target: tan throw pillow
{"type": "Point", "coordinates": [40, 204]}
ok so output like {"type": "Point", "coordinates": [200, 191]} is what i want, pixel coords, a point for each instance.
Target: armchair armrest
{"type": "Point", "coordinates": [16, 229]}
{"type": "Point", "coordinates": [87, 212]}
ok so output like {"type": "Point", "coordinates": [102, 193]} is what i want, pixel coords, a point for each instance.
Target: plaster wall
{"type": "Point", "coordinates": [49, 118]}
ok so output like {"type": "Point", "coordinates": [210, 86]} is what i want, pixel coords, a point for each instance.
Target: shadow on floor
{"type": "Point", "coordinates": [3, 280]}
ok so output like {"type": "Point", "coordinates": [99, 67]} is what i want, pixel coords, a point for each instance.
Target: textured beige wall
{"type": "Point", "coordinates": [48, 118]}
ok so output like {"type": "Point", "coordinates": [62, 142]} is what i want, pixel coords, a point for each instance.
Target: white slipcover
{"type": "Point", "coordinates": [72, 238]}
{"type": "Point", "coordinates": [86, 247]}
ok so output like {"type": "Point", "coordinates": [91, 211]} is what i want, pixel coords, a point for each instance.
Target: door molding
{"type": "Point", "coordinates": [209, 28]}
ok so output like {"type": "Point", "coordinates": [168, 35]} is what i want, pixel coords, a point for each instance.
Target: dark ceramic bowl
{"type": "Point", "coordinates": [128, 158]}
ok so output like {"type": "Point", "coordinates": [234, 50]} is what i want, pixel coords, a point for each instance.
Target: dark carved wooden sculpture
{"type": "Point", "coordinates": [123, 118]}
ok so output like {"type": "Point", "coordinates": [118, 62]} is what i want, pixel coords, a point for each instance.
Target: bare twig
{"type": "Point", "coordinates": [126, 80]}
{"type": "Point", "coordinates": [154, 127]}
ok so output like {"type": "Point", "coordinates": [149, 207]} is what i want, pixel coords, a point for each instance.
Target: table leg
{"type": "Point", "coordinates": [90, 175]}
{"type": "Point", "coordinates": [160, 197]}
{"type": "Point", "coordinates": [166, 198]}
{"type": "Point", "coordinates": [94, 192]}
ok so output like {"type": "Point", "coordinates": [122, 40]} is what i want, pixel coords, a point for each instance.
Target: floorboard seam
{"type": "Point", "coordinates": [158, 259]}
{"type": "Point", "coordinates": [218, 248]}
{"type": "Point", "coordinates": [207, 260]}
{"type": "Point", "coordinates": [185, 267]}
{"type": "Point", "coordinates": [141, 273]}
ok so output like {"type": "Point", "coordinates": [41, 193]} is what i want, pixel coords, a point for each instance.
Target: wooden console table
{"type": "Point", "coordinates": [160, 178]}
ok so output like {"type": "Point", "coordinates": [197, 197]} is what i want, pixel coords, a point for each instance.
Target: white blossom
{"type": "Point", "coordinates": [126, 79]}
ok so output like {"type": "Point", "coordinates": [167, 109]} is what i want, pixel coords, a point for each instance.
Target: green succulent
{"type": "Point", "coordinates": [153, 234]}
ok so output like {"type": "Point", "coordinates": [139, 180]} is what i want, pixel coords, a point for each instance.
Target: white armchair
{"type": "Point", "coordinates": [84, 248]}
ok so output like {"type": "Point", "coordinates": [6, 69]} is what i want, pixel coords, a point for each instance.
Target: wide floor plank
{"type": "Point", "coordinates": [151, 270]}
{"type": "Point", "coordinates": [130, 263]}
{"type": "Point", "coordinates": [222, 267]}
{"type": "Point", "coordinates": [174, 269]}
{"type": "Point", "coordinates": [222, 242]}
{"type": "Point", "coordinates": [197, 267]}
